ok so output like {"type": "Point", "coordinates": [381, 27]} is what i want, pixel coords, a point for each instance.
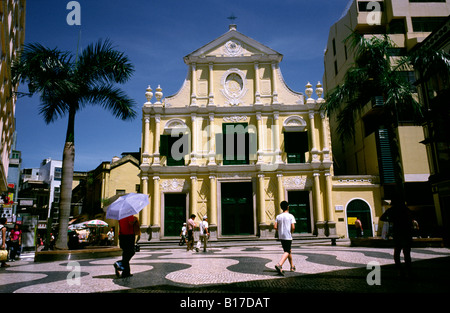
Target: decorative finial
{"type": "Point", "coordinates": [158, 95]}
{"type": "Point", "coordinates": [308, 90]}
{"type": "Point", "coordinates": [149, 93]}
{"type": "Point", "coordinates": [319, 90]}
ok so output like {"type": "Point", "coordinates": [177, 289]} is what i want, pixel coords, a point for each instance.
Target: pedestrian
{"type": "Point", "coordinates": [359, 228]}
{"type": "Point", "coordinates": [183, 235]}
{"type": "Point", "coordinates": [285, 225]}
{"type": "Point", "coordinates": [416, 229]}
{"type": "Point", "coordinates": [110, 236]}
{"type": "Point", "coordinates": [127, 244]}
{"type": "Point", "coordinates": [402, 228]}
{"type": "Point", "coordinates": [190, 231]}
{"type": "Point", "coordinates": [16, 242]}
{"type": "Point", "coordinates": [3, 240]}
{"type": "Point", "coordinates": [385, 229]}
{"type": "Point", "coordinates": [204, 234]}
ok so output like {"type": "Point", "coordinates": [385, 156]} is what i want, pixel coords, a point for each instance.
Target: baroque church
{"type": "Point", "coordinates": [234, 142]}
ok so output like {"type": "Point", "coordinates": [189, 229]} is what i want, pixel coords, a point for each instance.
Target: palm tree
{"type": "Point", "coordinates": [373, 76]}
{"type": "Point", "coordinates": [66, 85]}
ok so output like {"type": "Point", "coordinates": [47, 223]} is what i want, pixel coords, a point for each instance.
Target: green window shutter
{"type": "Point", "coordinates": [304, 145]}
{"type": "Point", "coordinates": [385, 158]}
{"type": "Point", "coordinates": [219, 146]}
{"type": "Point", "coordinates": [286, 142]}
{"type": "Point", "coordinates": [253, 146]}
{"type": "Point", "coordinates": [295, 146]}
{"type": "Point", "coordinates": [164, 145]}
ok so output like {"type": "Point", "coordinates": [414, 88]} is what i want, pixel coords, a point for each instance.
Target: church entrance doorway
{"type": "Point", "coordinates": [174, 213]}
{"type": "Point", "coordinates": [237, 208]}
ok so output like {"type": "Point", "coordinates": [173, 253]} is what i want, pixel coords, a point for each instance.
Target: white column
{"type": "Point", "coordinates": [261, 200]}
{"type": "Point", "coordinates": [280, 193]}
{"type": "Point", "coordinates": [212, 214]}
{"type": "Point", "coordinates": [257, 85]}
{"type": "Point", "coordinates": [193, 196]}
{"type": "Point", "coordinates": [193, 84]}
{"type": "Point", "coordinates": [144, 213]}
{"type": "Point", "coordinates": [211, 84]}
{"type": "Point", "coordinates": [276, 133]}
{"type": "Point", "coordinates": [146, 138]}
{"type": "Point", "coordinates": [212, 141]}
{"type": "Point", "coordinates": [325, 141]}
{"type": "Point", "coordinates": [156, 215]}
{"type": "Point", "coordinates": [156, 154]}
{"type": "Point", "coordinates": [260, 137]}
{"type": "Point", "coordinates": [194, 141]}
{"type": "Point", "coordinates": [274, 84]}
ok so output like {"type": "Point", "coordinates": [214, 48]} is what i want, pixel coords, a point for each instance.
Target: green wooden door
{"type": "Point", "coordinates": [300, 208]}
{"type": "Point", "coordinates": [237, 209]}
{"type": "Point", "coordinates": [174, 213]}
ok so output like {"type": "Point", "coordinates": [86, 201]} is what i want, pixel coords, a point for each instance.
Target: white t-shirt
{"type": "Point", "coordinates": [203, 225]}
{"type": "Point", "coordinates": [284, 222]}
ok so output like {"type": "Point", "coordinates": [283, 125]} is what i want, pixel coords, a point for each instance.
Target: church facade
{"type": "Point", "coordinates": [234, 142]}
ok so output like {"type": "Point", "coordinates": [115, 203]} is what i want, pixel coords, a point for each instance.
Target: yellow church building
{"type": "Point", "coordinates": [234, 142]}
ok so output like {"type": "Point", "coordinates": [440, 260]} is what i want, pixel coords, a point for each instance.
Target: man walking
{"type": "Point", "coordinates": [190, 228]}
{"type": "Point", "coordinates": [285, 224]}
{"type": "Point", "coordinates": [204, 233]}
{"type": "Point", "coordinates": [127, 244]}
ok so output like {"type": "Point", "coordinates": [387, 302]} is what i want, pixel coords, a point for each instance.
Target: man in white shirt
{"type": "Point", "coordinates": [204, 233]}
{"type": "Point", "coordinates": [285, 224]}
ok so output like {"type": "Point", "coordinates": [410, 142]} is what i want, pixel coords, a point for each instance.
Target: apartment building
{"type": "Point", "coordinates": [407, 23]}
{"type": "Point", "coordinates": [12, 36]}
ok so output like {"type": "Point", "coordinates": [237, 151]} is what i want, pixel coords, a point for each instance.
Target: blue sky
{"type": "Point", "coordinates": [156, 35]}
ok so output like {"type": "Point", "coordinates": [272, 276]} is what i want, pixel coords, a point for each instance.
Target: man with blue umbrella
{"type": "Point", "coordinates": [124, 209]}
{"type": "Point", "coordinates": [126, 243]}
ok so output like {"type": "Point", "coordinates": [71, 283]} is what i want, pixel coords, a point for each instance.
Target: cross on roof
{"type": "Point", "coordinates": [232, 18]}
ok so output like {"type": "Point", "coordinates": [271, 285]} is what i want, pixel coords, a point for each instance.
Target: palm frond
{"type": "Point", "coordinates": [112, 99]}
{"type": "Point", "coordinates": [427, 62]}
{"type": "Point", "coordinates": [101, 62]}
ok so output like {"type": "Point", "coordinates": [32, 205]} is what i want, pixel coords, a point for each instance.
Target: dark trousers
{"type": "Point", "coordinates": [126, 243]}
{"type": "Point", "coordinates": [14, 250]}
{"type": "Point", "coordinates": [190, 240]}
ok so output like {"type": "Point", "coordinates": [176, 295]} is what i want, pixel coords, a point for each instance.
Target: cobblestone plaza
{"type": "Point", "coordinates": [236, 267]}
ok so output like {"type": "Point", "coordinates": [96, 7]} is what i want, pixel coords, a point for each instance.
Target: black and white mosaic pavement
{"type": "Point", "coordinates": [237, 268]}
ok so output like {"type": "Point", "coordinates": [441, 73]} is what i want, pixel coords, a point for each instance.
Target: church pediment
{"type": "Point", "coordinates": [233, 46]}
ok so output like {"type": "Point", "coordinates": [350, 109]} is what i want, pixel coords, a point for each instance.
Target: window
{"type": "Point", "coordinates": [58, 173]}
{"type": "Point", "coordinates": [335, 68]}
{"type": "Point", "coordinates": [235, 143]}
{"type": "Point", "coordinates": [120, 191]}
{"type": "Point", "coordinates": [397, 26]}
{"type": "Point", "coordinates": [295, 146]}
{"type": "Point", "coordinates": [426, 24]}
{"type": "Point", "coordinates": [396, 52]}
{"type": "Point", "coordinates": [174, 148]}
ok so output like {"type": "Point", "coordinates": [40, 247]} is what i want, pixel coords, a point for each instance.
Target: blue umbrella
{"type": "Point", "coordinates": [127, 205]}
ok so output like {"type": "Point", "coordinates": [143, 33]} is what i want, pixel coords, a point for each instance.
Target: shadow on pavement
{"type": "Point", "coordinates": [428, 276]}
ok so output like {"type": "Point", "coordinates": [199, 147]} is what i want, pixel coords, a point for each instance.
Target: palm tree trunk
{"type": "Point", "coordinates": [66, 183]}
